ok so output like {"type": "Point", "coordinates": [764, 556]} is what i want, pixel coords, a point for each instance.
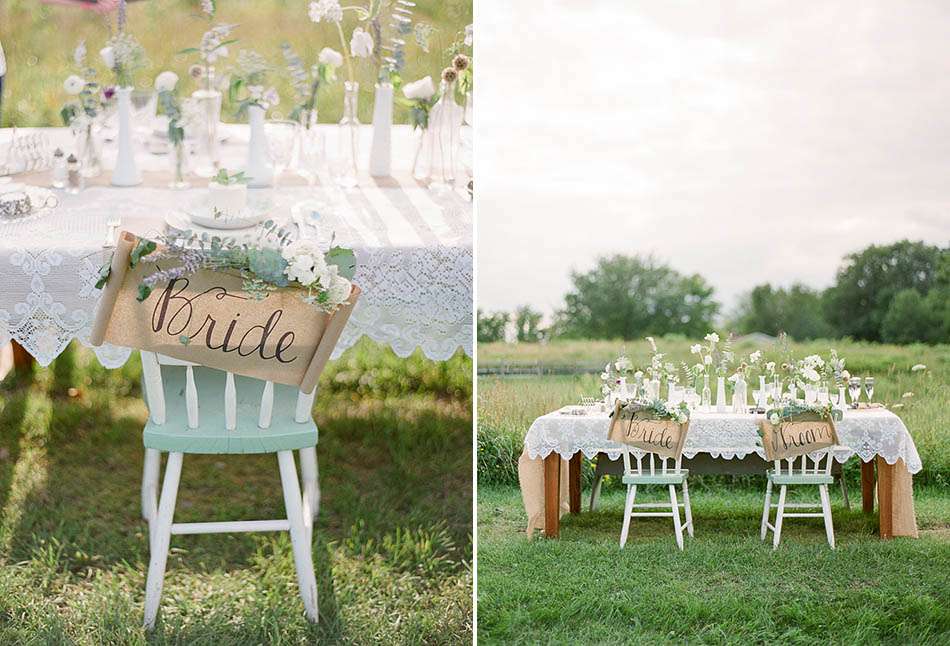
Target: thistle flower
{"type": "Point", "coordinates": [460, 62]}
{"type": "Point", "coordinates": [449, 75]}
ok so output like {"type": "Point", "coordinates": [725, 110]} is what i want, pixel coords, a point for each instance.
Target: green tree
{"type": "Point", "coordinates": [629, 296]}
{"type": "Point", "coordinates": [528, 324]}
{"type": "Point", "coordinates": [910, 318]}
{"type": "Point", "coordinates": [491, 327]}
{"type": "Point", "coordinates": [870, 279]}
{"type": "Point", "coordinates": [796, 311]}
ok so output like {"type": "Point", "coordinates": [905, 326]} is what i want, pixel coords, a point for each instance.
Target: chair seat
{"type": "Point", "coordinates": [674, 478]}
{"type": "Point", "coordinates": [799, 478]}
{"type": "Point", "coordinates": [211, 436]}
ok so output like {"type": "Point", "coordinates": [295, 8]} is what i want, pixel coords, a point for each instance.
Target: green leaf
{"type": "Point", "coordinates": [104, 272]}
{"type": "Point", "coordinates": [142, 249]}
{"type": "Point", "coordinates": [144, 291]}
{"type": "Point", "coordinates": [345, 259]}
{"type": "Point", "coordinates": [188, 50]}
{"type": "Point", "coordinates": [184, 339]}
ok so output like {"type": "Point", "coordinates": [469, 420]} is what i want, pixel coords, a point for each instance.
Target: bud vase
{"type": "Point", "coordinates": [208, 116]}
{"type": "Point", "coordinates": [259, 171]}
{"type": "Point", "coordinates": [178, 156]}
{"type": "Point", "coordinates": [740, 396]}
{"type": "Point", "coordinates": [438, 157]}
{"type": "Point", "coordinates": [125, 173]}
{"type": "Point", "coordinates": [348, 138]}
{"type": "Point", "coordinates": [721, 395]}
{"type": "Point", "coordinates": [707, 394]}
{"type": "Point", "coordinates": [380, 154]}
{"type": "Point", "coordinates": [88, 145]}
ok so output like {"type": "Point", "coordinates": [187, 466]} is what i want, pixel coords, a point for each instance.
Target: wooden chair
{"type": "Point", "coordinates": [798, 472]}
{"type": "Point", "coordinates": [669, 474]}
{"type": "Point", "coordinates": [236, 415]}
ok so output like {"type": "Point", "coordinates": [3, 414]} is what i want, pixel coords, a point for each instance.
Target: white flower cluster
{"type": "Point", "coordinates": [331, 57]}
{"type": "Point", "coordinates": [211, 48]}
{"type": "Point", "coordinates": [329, 10]}
{"type": "Point", "coordinates": [166, 81]}
{"type": "Point", "coordinates": [307, 265]}
{"type": "Point", "coordinates": [423, 89]}
{"type": "Point", "coordinates": [266, 98]}
{"type": "Point", "coordinates": [74, 84]}
{"type": "Point", "coordinates": [361, 43]}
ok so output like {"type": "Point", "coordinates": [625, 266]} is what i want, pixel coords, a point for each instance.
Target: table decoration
{"type": "Point", "coordinates": [653, 427]}
{"type": "Point", "coordinates": [213, 46]}
{"type": "Point", "coordinates": [419, 97]}
{"type": "Point", "coordinates": [124, 56]}
{"type": "Point", "coordinates": [246, 89]}
{"type": "Point", "coordinates": [307, 85]}
{"type": "Point", "coordinates": [441, 137]}
{"type": "Point", "coordinates": [716, 357]}
{"type": "Point", "coordinates": [83, 113]}
{"type": "Point", "coordinates": [166, 84]}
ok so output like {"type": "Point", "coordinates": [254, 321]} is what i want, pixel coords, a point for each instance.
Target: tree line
{"type": "Point", "coordinates": [896, 293]}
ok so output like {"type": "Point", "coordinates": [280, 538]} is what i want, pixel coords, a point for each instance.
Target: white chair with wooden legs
{"type": "Point", "coordinates": [668, 473]}
{"type": "Point", "coordinates": [800, 470]}
{"type": "Point", "coordinates": [236, 415]}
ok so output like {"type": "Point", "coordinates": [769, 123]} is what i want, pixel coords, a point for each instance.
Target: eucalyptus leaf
{"type": "Point", "coordinates": [345, 259]}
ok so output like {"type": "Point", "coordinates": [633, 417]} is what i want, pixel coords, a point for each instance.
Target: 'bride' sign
{"type": "Point", "coordinates": [798, 435]}
{"type": "Point", "coordinates": [207, 318]}
{"type": "Point", "coordinates": [664, 437]}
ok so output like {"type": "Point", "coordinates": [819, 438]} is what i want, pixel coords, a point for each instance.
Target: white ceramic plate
{"type": "Point", "coordinates": [181, 222]}
{"type": "Point", "coordinates": [258, 209]}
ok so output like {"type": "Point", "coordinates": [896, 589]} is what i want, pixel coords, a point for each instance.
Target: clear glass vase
{"type": "Point", "coordinates": [208, 116]}
{"type": "Point", "coordinates": [707, 394]}
{"type": "Point", "coordinates": [348, 138]}
{"type": "Point", "coordinates": [438, 158]}
{"type": "Point", "coordinates": [178, 157]}
{"type": "Point", "coordinates": [740, 396]}
{"type": "Point", "coordinates": [88, 136]}
{"type": "Point", "coordinates": [721, 395]}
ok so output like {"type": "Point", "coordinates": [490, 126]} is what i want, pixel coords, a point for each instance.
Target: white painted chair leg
{"type": "Point", "coordinates": [158, 556]}
{"type": "Point", "coordinates": [844, 492]}
{"type": "Point", "coordinates": [826, 510]}
{"type": "Point", "coordinates": [150, 484]}
{"type": "Point", "coordinates": [676, 517]}
{"type": "Point", "coordinates": [303, 552]}
{"type": "Point", "coordinates": [764, 529]}
{"type": "Point", "coordinates": [778, 517]}
{"type": "Point", "coordinates": [687, 509]}
{"type": "Point", "coordinates": [627, 510]}
{"type": "Point", "coordinates": [310, 474]}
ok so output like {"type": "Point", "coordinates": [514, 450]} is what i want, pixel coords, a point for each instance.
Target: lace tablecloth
{"type": "Point", "coordinates": [865, 433]}
{"type": "Point", "coordinates": [413, 248]}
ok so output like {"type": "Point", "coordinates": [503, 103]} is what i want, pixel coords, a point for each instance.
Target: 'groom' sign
{"type": "Point", "coordinates": [664, 437]}
{"type": "Point", "coordinates": [207, 318]}
{"type": "Point", "coordinates": [797, 435]}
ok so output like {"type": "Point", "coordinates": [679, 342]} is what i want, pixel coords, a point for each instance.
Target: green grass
{"type": "Point", "coordinates": [726, 587]}
{"type": "Point", "coordinates": [38, 41]}
{"type": "Point", "coordinates": [392, 544]}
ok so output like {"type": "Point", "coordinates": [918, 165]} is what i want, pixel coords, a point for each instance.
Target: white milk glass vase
{"type": "Point", "coordinates": [208, 102]}
{"type": "Point", "coordinates": [259, 171]}
{"type": "Point", "coordinates": [721, 395]}
{"type": "Point", "coordinates": [380, 153]}
{"type": "Point", "coordinates": [348, 137]}
{"type": "Point", "coordinates": [125, 173]}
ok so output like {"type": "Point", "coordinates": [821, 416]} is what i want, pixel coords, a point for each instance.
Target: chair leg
{"type": "Point", "coordinates": [844, 491]}
{"type": "Point", "coordinates": [826, 510]}
{"type": "Point", "coordinates": [764, 530]}
{"type": "Point", "coordinates": [676, 517]}
{"type": "Point", "coordinates": [687, 509]}
{"type": "Point", "coordinates": [311, 488]}
{"type": "Point", "coordinates": [303, 551]}
{"type": "Point", "coordinates": [778, 517]}
{"type": "Point", "coordinates": [153, 458]}
{"type": "Point", "coordinates": [595, 489]}
{"type": "Point", "coordinates": [627, 510]}
{"type": "Point", "coordinates": [158, 546]}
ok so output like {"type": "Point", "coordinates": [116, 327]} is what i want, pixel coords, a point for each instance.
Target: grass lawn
{"type": "Point", "coordinates": [726, 587]}
{"type": "Point", "coordinates": [392, 545]}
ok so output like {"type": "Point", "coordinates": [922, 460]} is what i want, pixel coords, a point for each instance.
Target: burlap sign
{"type": "Point", "coordinates": [799, 434]}
{"type": "Point", "coordinates": [208, 319]}
{"type": "Point", "coordinates": [640, 429]}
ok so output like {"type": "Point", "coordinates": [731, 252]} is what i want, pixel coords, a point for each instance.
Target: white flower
{"type": "Point", "coordinates": [774, 418]}
{"type": "Point", "coordinates": [652, 343]}
{"type": "Point", "coordinates": [361, 44]}
{"type": "Point", "coordinates": [770, 366]}
{"type": "Point", "coordinates": [734, 377]}
{"type": "Point", "coordinates": [682, 418]}
{"type": "Point", "coordinates": [638, 375]}
{"type": "Point", "coordinates": [755, 356]}
{"type": "Point", "coordinates": [331, 57]}
{"type": "Point", "coordinates": [338, 291]}
{"type": "Point", "coordinates": [255, 92]}
{"type": "Point", "coordinates": [918, 367]}
{"type": "Point", "coordinates": [220, 52]}
{"type": "Point", "coordinates": [810, 374]}
{"type": "Point", "coordinates": [845, 375]}
{"type": "Point", "coordinates": [813, 361]}
{"type": "Point", "coordinates": [695, 348]}
{"type": "Point", "coordinates": [907, 395]}
{"type": "Point", "coordinates": [79, 54]}
{"type": "Point", "coordinates": [421, 89]}
{"type": "Point", "coordinates": [699, 368]}
{"type": "Point", "coordinates": [166, 81]}
{"type": "Point", "coordinates": [604, 376]}
{"type": "Point", "coordinates": [305, 263]}
{"type": "Point", "coordinates": [74, 84]}
{"type": "Point", "coordinates": [707, 359]}
{"type": "Point", "coordinates": [208, 7]}
{"type": "Point", "coordinates": [326, 9]}
{"type": "Point", "coordinates": [712, 337]}
{"type": "Point", "coordinates": [623, 364]}
{"type": "Point", "coordinates": [469, 35]}
{"type": "Point", "coordinates": [107, 54]}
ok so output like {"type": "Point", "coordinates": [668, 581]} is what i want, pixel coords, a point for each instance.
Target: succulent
{"type": "Point", "coordinates": [268, 265]}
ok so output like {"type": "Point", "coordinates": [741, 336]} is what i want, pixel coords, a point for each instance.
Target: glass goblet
{"type": "Point", "coordinates": [854, 390]}
{"type": "Point", "coordinates": [869, 388]}
{"type": "Point", "coordinates": [280, 144]}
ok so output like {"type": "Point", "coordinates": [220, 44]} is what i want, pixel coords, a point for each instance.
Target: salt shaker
{"type": "Point", "coordinates": [60, 173]}
{"type": "Point", "coordinates": [76, 182]}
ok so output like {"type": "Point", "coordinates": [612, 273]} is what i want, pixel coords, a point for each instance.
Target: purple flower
{"type": "Point", "coordinates": [108, 92]}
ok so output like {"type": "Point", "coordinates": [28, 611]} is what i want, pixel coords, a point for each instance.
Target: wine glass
{"type": "Point", "coordinates": [833, 398]}
{"type": "Point", "coordinates": [823, 395]}
{"type": "Point", "coordinates": [869, 388]}
{"type": "Point", "coordinates": [280, 144]}
{"type": "Point", "coordinates": [313, 155]}
{"type": "Point", "coordinates": [144, 108]}
{"type": "Point", "coordinates": [854, 390]}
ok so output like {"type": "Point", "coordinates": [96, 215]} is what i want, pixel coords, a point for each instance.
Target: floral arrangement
{"type": "Point", "coordinates": [391, 56]}
{"type": "Point", "coordinates": [361, 44]}
{"type": "Point", "coordinates": [655, 370]}
{"type": "Point", "coordinates": [659, 410]}
{"type": "Point", "coordinates": [273, 261]}
{"type": "Point", "coordinates": [213, 46]}
{"type": "Point", "coordinates": [713, 355]}
{"type": "Point", "coordinates": [248, 77]}
{"type": "Point", "coordinates": [306, 83]}
{"type": "Point", "coordinates": [166, 84]}
{"type": "Point", "coordinates": [744, 369]}
{"type": "Point", "coordinates": [419, 97]}
{"type": "Point", "coordinates": [834, 371]}
{"type": "Point", "coordinates": [792, 409]}
{"type": "Point", "coordinates": [89, 100]}
{"type": "Point", "coordinates": [615, 371]}
{"type": "Point", "coordinates": [124, 56]}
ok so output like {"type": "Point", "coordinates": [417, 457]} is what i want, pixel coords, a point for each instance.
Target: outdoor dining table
{"type": "Point", "coordinates": [874, 435]}
{"type": "Point", "coordinates": [413, 247]}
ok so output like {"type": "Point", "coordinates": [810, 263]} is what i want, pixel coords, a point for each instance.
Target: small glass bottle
{"type": "Point", "coordinates": [60, 174]}
{"type": "Point", "coordinates": [707, 394]}
{"type": "Point", "coordinates": [75, 181]}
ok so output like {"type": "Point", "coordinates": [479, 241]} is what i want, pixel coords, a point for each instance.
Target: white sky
{"type": "Point", "coordinates": [747, 141]}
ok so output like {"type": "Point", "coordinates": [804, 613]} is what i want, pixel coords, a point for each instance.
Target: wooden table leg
{"type": "Point", "coordinates": [21, 358]}
{"type": "Point", "coordinates": [867, 487]}
{"type": "Point", "coordinates": [575, 482]}
{"type": "Point", "coordinates": [885, 498]}
{"type": "Point", "coordinates": [552, 495]}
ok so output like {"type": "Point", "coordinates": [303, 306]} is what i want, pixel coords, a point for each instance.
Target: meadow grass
{"type": "Point", "coordinates": [39, 40]}
{"type": "Point", "coordinates": [392, 545]}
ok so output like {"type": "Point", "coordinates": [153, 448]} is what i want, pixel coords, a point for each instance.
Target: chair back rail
{"type": "Point", "coordinates": [821, 463]}
{"type": "Point", "coordinates": [667, 465]}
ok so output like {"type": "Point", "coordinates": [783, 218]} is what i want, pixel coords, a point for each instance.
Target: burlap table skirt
{"type": "Point", "coordinates": [531, 478]}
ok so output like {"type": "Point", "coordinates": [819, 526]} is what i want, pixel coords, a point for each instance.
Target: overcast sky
{"type": "Point", "coordinates": [747, 141]}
